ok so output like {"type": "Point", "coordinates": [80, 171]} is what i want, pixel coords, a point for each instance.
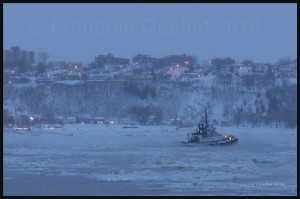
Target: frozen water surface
{"type": "Point", "coordinates": [148, 160]}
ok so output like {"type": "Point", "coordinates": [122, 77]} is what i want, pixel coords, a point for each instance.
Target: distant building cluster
{"type": "Point", "coordinates": [18, 58]}
{"type": "Point", "coordinates": [20, 67]}
{"type": "Point", "coordinates": [145, 61]}
{"type": "Point", "coordinates": [110, 62]}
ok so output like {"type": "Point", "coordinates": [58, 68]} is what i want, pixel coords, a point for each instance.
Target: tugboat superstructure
{"type": "Point", "coordinates": [206, 134]}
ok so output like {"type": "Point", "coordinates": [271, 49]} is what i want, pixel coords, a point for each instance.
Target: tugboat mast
{"type": "Point", "coordinates": [206, 122]}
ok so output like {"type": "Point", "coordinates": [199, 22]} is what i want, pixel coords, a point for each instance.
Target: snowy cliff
{"type": "Point", "coordinates": [187, 100]}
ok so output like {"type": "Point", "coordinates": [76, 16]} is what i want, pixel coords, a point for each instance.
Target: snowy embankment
{"type": "Point", "coordinates": [263, 162]}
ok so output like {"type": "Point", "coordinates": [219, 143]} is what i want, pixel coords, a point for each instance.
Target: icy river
{"type": "Point", "coordinates": [95, 160]}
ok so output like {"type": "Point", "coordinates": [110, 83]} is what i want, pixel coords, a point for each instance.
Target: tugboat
{"type": "Point", "coordinates": [206, 134]}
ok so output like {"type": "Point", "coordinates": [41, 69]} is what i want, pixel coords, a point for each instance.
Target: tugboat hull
{"type": "Point", "coordinates": [224, 142]}
{"type": "Point", "coordinates": [213, 143]}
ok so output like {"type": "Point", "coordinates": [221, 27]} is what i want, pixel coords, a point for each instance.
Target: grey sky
{"type": "Point", "coordinates": [79, 32]}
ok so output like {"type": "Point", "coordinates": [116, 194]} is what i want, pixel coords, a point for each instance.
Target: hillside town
{"type": "Point", "coordinates": [25, 68]}
{"type": "Point", "coordinates": [22, 67]}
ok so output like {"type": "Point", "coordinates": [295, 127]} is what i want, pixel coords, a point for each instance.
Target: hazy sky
{"type": "Point", "coordinates": [79, 32]}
